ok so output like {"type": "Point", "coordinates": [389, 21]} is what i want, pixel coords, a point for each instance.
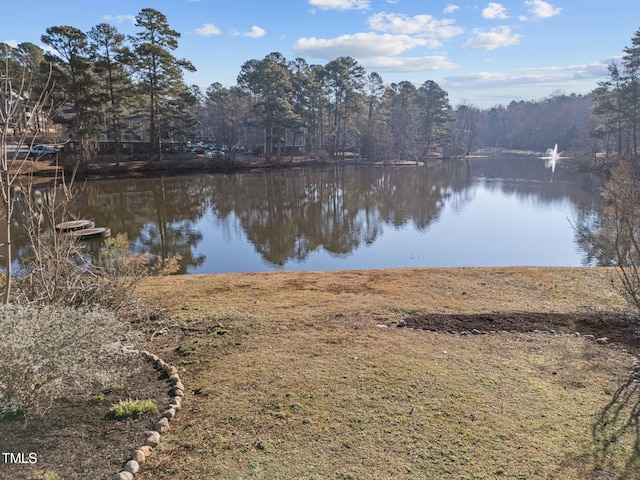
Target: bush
{"type": "Point", "coordinates": [50, 352]}
{"type": "Point", "coordinates": [613, 238]}
{"type": "Point", "coordinates": [58, 273]}
{"type": "Point", "coordinates": [45, 475]}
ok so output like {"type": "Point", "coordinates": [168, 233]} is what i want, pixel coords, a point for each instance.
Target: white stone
{"type": "Point", "coordinates": [153, 439]}
{"type": "Point", "coordinates": [146, 449]}
{"type": "Point", "coordinates": [139, 456]}
{"type": "Point", "coordinates": [162, 425]}
{"type": "Point", "coordinates": [178, 393]}
{"type": "Point", "coordinates": [170, 413]}
{"type": "Point", "coordinates": [132, 466]}
{"type": "Point", "coordinates": [124, 476]}
{"type": "Point", "coordinates": [176, 403]}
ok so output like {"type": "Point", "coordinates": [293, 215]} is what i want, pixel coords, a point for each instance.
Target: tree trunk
{"type": "Point", "coordinates": [7, 244]}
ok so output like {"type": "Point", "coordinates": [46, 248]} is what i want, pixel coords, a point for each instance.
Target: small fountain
{"type": "Point", "coordinates": [551, 157]}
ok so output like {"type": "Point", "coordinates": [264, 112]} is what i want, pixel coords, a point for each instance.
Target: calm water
{"type": "Point", "coordinates": [482, 212]}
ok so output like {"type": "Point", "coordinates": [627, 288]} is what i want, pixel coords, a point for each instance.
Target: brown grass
{"type": "Point", "coordinates": [291, 376]}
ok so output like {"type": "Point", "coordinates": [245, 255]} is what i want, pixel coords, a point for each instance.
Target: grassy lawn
{"type": "Point", "coordinates": [299, 375]}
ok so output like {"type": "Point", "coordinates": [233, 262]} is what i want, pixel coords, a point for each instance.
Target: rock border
{"type": "Point", "coordinates": [176, 392]}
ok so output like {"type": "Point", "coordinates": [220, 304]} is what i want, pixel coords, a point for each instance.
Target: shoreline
{"type": "Point", "coordinates": [180, 164]}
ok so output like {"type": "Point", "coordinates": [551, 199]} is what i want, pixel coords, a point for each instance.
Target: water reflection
{"type": "Point", "coordinates": [346, 217]}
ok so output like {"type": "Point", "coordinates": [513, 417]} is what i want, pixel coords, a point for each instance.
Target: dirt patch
{"type": "Point", "coordinates": [76, 439]}
{"type": "Point", "coordinates": [619, 328]}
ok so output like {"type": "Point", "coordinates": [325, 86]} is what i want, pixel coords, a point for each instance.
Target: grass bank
{"type": "Point", "coordinates": [302, 375]}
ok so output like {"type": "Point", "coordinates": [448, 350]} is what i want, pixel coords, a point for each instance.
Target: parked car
{"type": "Point", "coordinates": [216, 152]}
{"type": "Point", "coordinates": [42, 151]}
{"type": "Point", "coordinates": [197, 149]}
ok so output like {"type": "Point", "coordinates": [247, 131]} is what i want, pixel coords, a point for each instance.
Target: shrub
{"type": "Point", "coordinates": [50, 352]}
{"type": "Point", "coordinates": [58, 273]}
{"type": "Point", "coordinates": [120, 272]}
{"type": "Point", "coordinates": [613, 238]}
{"type": "Point", "coordinates": [132, 409]}
{"type": "Point", "coordinates": [97, 399]}
{"type": "Point", "coordinates": [45, 475]}
{"type": "Point", "coordinates": [56, 269]}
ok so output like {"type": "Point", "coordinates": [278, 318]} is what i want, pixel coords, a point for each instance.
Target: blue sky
{"type": "Point", "coordinates": [481, 52]}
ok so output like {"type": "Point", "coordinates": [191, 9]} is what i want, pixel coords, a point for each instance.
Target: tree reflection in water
{"type": "Point", "coordinates": [286, 215]}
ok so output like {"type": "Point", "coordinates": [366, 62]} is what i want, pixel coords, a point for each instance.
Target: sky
{"type": "Point", "coordinates": [482, 53]}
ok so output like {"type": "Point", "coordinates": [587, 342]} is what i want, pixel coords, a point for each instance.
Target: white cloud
{"type": "Point", "coordinates": [359, 45]}
{"type": "Point", "coordinates": [121, 18]}
{"type": "Point", "coordinates": [421, 25]}
{"type": "Point", "coordinates": [495, 38]}
{"type": "Point", "coordinates": [255, 32]}
{"type": "Point", "coordinates": [208, 29]}
{"type": "Point", "coordinates": [501, 87]}
{"type": "Point", "coordinates": [340, 4]}
{"type": "Point", "coordinates": [595, 70]}
{"type": "Point", "coordinates": [479, 78]}
{"type": "Point", "coordinates": [450, 9]}
{"type": "Point", "coordinates": [408, 64]}
{"type": "Point", "coordinates": [495, 10]}
{"type": "Point", "coordinates": [541, 9]}
{"type": "Point", "coordinates": [552, 76]}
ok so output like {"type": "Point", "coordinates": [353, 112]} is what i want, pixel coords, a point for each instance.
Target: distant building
{"type": "Point", "coordinates": [285, 141]}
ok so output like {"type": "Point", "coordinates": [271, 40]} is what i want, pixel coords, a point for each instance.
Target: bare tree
{"type": "Point", "coordinates": [613, 238]}
{"type": "Point", "coordinates": [22, 112]}
{"type": "Point", "coordinates": [464, 128]}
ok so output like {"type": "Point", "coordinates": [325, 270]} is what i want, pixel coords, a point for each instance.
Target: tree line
{"type": "Point", "coordinates": [107, 85]}
{"type": "Point", "coordinates": [113, 88]}
{"type": "Point", "coordinates": [617, 101]}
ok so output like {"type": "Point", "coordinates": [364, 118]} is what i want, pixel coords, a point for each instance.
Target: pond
{"type": "Point", "coordinates": [510, 211]}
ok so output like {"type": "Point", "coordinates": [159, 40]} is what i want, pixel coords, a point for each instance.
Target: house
{"type": "Point", "coordinates": [284, 141]}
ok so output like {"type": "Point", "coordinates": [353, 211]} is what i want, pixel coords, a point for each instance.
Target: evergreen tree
{"type": "Point", "coordinates": [610, 108]}
{"type": "Point", "coordinates": [435, 113]}
{"type": "Point", "coordinates": [370, 138]}
{"type": "Point", "coordinates": [269, 82]}
{"type": "Point", "coordinates": [115, 88]}
{"type": "Point", "coordinates": [403, 123]}
{"type": "Point", "coordinates": [157, 71]}
{"type": "Point", "coordinates": [73, 77]}
{"type": "Point", "coordinates": [631, 62]}
{"type": "Point", "coordinates": [309, 102]}
{"type": "Point", "coordinates": [343, 79]}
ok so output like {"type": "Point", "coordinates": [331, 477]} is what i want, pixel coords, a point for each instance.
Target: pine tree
{"type": "Point", "coordinates": [269, 81]}
{"type": "Point", "coordinates": [631, 62]}
{"type": "Point", "coordinates": [73, 79]}
{"type": "Point", "coordinates": [435, 113]}
{"type": "Point", "coordinates": [114, 84]}
{"type": "Point", "coordinates": [157, 71]}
